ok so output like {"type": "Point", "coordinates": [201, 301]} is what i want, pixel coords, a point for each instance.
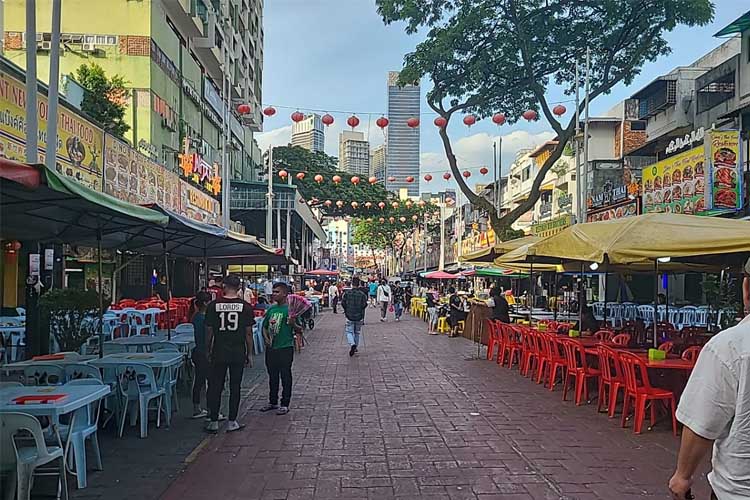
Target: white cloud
{"type": "Point", "coordinates": [276, 137]}
{"type": "Point", "coordinates": [475, 151]}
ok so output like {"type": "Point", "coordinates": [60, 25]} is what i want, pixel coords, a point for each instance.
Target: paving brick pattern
{"type": "Point", "coordinates": [413, 417]}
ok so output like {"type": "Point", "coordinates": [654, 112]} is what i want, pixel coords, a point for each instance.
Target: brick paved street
{"type": "Point", "coordinates": [412, 417]}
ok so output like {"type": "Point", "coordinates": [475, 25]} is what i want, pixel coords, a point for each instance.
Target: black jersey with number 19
{"type": "Point", "coordinates": [229, 319]}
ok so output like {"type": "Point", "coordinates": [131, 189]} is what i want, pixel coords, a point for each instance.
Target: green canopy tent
{"type": "Point", "coordinates": [39, 204]}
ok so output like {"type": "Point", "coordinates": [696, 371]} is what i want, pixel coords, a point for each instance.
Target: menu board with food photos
{"type": "Point", "coordinates": [676, 184]}
{"type": "Point", "coordinates": [133, 177]}
{"type": "Point", "coordinates": [725, 188]}
{"type": "Point", "coordinates": [628, 208]}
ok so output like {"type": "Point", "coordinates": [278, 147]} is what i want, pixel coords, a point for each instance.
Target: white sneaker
{"type": "Point", "coordinates": [212, 427]}
{"type": "Point", "coordinates": [221, 418]}
{"type": "Point", "coordinates": [199, 413]}
{"type": "Point", "coordinates": [233, 426]}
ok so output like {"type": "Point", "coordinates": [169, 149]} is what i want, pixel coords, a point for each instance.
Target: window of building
{"type": "Point", "coordinates": [638, 125]}
{"type": "Point", "coordinates": [526, 174]}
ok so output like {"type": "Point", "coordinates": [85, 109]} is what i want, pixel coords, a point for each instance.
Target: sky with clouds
{"type": "Point", "coordinates": [334, 56]}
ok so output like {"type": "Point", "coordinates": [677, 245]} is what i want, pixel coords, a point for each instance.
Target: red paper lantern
{"type": "Point", "coordinates": [328, 203]}
{"type": "Point", "coordinates": [559, 110]}
{"type": "Point", "coordinates": [269, 111]}
{"type": "Point", "coordinates": [244, 109]}
{"type": "Point", "coordinates": [394, 204]}
{"type": "Point", "coordinates": [440, 122]}
{"type": "Point", "coordinates": [355, 180]}
{"type": "Point", "coordinates": [297, 117]}
{"type": "Point", "coordinates": [300, 175]}
{"type": "Point", "coordinates": [382, 122]}
{"type": "Point", "coordinates": [382, 219]}
{"type": "Point", "coordinates": [355, 204]}
{"type": "Point", "coordinates": [408, 203]}
{"type": "Point", "coordinates": [339, 203]}
{"type": "Point", "coordinates": [381, 205]}
{"type": "Point", "coordinates": [410, 179]}
{"type": "Point", "coordinates": [466, 174]}
{"type": "Point", "coordinates": [327, 120]}
{"type": "Point", "coordinates": [391, 179]}
{"type": "Point", "coordinates": [421, 203]}
{"type": "Point", "coordinates": [412, 122]}
{"type": "Point", "coordinates": [470, 120]}
{"type": "Point", "coordinates": [483, 170]}
{"type": "Point", "coordinates": [283, 174]}
{"type": "Point", "coordinates": [318, 178]}
{"type": "Point", "coordinates": [498, 118]}
{"type": "Point", "coordinates": [391, 219]}
{"type": "Point", "coordinates": [353, 121]}
{"type": "Point", "coordinates": [336, 179]}
{"type": "Point", "coordinates": [447, 176]}
{"type": "Point", "coordinates": [373, 180]}
{"type": "Point", "coordinates": [529, 115]}
{"type": "Point", "coordinates": [402, 219]}
{"type": "Point", "coordinates": [428, 177]}
{"type": "Point", "coordinates": [368, 204]}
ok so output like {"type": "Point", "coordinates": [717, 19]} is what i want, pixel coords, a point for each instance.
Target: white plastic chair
{"type": "Point", "coordinates": [139, 325]}
{"type": "Point", "coordinates": [646, 313]}
{"type": "Point", "coordinates": [169, 378]}
{"type": "Point", "coordinates": [25, 456]}
{"type": "Point", "coordinates": [137, 386]}
{"type": "Point", "coordinates": [598, 309]}
{"type": "Point", "coordinates": [164, 346]}
{"type": "Point", "coordinates": [186, 328]}
{"type": "Point", "coordinates": [112, 348]}
{"type": "Point", "coordinates": [3, 384]}
{"type": "Point", "coordinates": [82, 371]}
{"type": "Point", "coordinates": [687, 317]}
{"type": "Point", "coordinates": [86, 427]}
{"type": "Point", "coordinates": [44, 374]}
{"type": "Point", "coordinates": [701, 317]}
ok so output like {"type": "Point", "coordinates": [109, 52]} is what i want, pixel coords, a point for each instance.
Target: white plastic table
{"type": "Point", "coordinates": [139, 343]}
{"type": "Point", "coordinates": [71, 358]}
{"type": "Point", "coordinates": [154, 360]}
{"type": "Point", "coordinates": [77, 401]}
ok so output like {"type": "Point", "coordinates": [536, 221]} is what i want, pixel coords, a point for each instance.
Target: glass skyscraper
{"type": "Point", "coordinates": [402, 142]}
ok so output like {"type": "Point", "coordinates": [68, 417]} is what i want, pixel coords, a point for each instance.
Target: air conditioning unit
{"type": "Point", "coordinates": [89, 47]}
{"type": "Point", "coordinates": [44, 46]}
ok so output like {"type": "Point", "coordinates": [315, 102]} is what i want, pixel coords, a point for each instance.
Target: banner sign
{"type": "Point", "coordinates": [198, 205]}
{"type": "Point", "coordinates": [79, 142]}
{"type": "Point", "coordinates": [133, 177]}
{"type": "Point", "coordinates": [554, 226]}
{"type": "Point", "coordinates": [724, 192]}
{"type": "Point", "coordinates": [627, 208]}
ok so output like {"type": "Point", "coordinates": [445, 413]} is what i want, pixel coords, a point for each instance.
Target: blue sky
{"type": "Point", "coordinates": [334, 55]}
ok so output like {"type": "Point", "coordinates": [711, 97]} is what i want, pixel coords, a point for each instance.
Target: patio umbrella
{"type": "Point", "coordinates": [441, 275]}
{"type": "Point", "coordinates": [491, 253]}
{"type": "Point", "coordinates": [321, 272]}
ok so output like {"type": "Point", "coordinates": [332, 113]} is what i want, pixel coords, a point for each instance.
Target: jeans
{"type": "Point", "coordinates": [200, 377]}
{"type": "Point", "coordinates": [398, 309]}
{"type": "Point", "coordinates": [383, 309]}
{"type": "Point", "coordinates": [216, 387]}
{"type": "Point", "coordinates": [334, 304]}
{"type": "Point", "coordinates": [279, 365]}
{"type": "Point", "coordinates": [353, 328]}
{"type": "Point", "coordinates": [432, 317]}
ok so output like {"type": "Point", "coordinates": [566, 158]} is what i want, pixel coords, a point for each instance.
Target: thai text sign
{"type": "Point", "coordinates": [198, 205]}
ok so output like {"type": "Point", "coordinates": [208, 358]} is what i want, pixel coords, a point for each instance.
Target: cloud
{"type": "Point", "coordinates": [475, 151]}
{"type": "Point", "coordinates": [276, 137]}
{"type": "Point", "coordinates": [283, 135]}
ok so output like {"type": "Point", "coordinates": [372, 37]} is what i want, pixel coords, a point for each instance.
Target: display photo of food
{"type": "Point", "coordinates": [76, 150]}
{"type": "Point", "coordinates": [725, 157]}
{"type": "Point", "coordinates": [687, 207]}
{"type": "Point", "coordinates": [725, 177]}
{"type": "Point", "coordinates": [649, 199]}
{"type": "Point", "coordinates": [725, 198]}
{"type": "Point", "coordinates": [676, 177]}
{"type": "Point", "coordinates": [687, 173]}
{"type": "Point", "coordinates": [698, 172]}
{"type": "Point", "coordinates": [700, 206]}
{"type": "Point", "coordinates": [676, 193]}
{"type": "Point", "coordinates": [632, 209]}
{"type": "Point", "coordinates": [667, 196]}
{"type": "Point", "coordinates": [688, 188]}
{"type": "Point", "coordinates": [648, 186]}
{"type": "Point", "coordinates": [658, 197]}
{"type": "Point", "coordinates": [667, 180]}
{"type": "Point", "coordinates": [619, 212]}
{"type": "Point", "coordinates": [657, 182]}
{"type": "Point", "coordinates": [699, 186]}
{"type": "Point", "coordinates": [667, 209]}
{"type": "Point", "coordinates": [678, 208]}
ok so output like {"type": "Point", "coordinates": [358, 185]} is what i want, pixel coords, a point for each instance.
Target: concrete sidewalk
{"type": "Point", "coordinates": [412, 416]}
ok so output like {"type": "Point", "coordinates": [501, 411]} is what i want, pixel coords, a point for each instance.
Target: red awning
{"type": "Point", "coordinates": [440, 275]}
{"type": "Point", "coordinates": [322, 272]}
{"type": "Point", "coordinates": [21, 173]}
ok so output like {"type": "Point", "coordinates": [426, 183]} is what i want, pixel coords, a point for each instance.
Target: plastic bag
{"type": "Point", "coordinates": [390, 308]}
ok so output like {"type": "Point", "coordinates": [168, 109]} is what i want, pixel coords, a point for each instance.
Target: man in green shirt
{"type": "Point", "coordinates": [278, 333]}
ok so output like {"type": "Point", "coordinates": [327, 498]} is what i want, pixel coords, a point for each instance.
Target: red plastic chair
{"type": "Point", "coordinates": [493, 337]}
{"type": "Point", "coordinates": [575, 359]}
{"type": "Point", "coordinates": [639, 391]}
{"type": "Point", "coordinates": [511, 345]}
{"type": "Point", "coordinates": [126, 303]}
{"type": "Point", "coordinates": [542, 354]}
{"type": "Point", "coordinates": [622, 339]}
{"type": "Point", "coordinates": [611, 379]}
{"type": "Point", "coordinates": [691, 353]}
{"type": "Point", "coordinates": [557, 359]}
{"type": "Point", "coordinates": [529, 352]}
{"type": "Point", "coordinates": [604, 335]}
{"type": "Point", "coordinates": [666, 346]}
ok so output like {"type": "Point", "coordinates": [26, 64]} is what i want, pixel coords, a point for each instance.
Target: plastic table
{"type": "Point", "coordinates": [79, 397]}
{"type": "Point", "coordinates": [139, 343]}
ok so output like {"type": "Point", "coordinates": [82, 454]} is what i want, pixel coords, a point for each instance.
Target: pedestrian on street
{"type": "Point", "coordinates": [354, 303]}
{"type": "Point", "coordinates": [457, 312]}
{"type": "Point", "coordinates": [715, 410]}
{"type": "Point", "coordinates": [373, 286]}
{"type": "Point", "coordinates": [229, 339]}
{"type": "Point", "coordinates": [432, 315]}
{"type": "Point", "coordinates": [278, 334]}
{"type": "Point", "coordinates": [333, 296]}
{"type": "Point", "coordinates": [499, 306]}
{"type": "Point", "coordinates": [398, 301]}
{"type": "Point", "coordinates": [199, 355]}
{"type": "Point", "coordinates": [384, 298]}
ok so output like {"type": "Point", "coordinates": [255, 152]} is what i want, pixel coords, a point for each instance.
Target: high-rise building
{"type": "Point", "coordinates": [309, 134]}
{"type": "Point", "coordinates": [377, 162]}
{"type": "Point", "coordinates": [354, 153]}
{"type": "Point", "coordinates": [402, 142]}
{"type": "Point", "coordinates": [172, 55]}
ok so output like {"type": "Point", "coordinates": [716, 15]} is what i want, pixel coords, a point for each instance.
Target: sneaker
{"type": "Point", "coordinates": [352, 350]}
{"type": "Point", "coordinates": [382, 320]}
{"type": "Point", "coordinates": [397, 319]}
{"type": "Point", "coordinates": [220, 419]}
{"type": "Point", "coordinates": [283, 410]}
{"type": "Point", "coordinates": [269, 407]}
{"type": "Point", "coordinates": [233, 426]}
{"type": "Point", "coordinates": [212, 427]}
{"type": "Point", "coordinates": [199, 413]}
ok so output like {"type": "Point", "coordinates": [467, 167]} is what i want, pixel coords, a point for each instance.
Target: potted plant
{"type": "Point", "coordinates": [70, 315]}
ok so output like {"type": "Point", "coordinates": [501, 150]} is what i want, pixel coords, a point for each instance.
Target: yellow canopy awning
{"type": "Point", "coordinates": [489, 254]}
{"type": "Point", "coordinates": [641, 239]}
{"type": "Point", "coordinates": [482, 255]}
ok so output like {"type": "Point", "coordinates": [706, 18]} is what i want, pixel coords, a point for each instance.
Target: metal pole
{"type": "Point", "coordinates": [32, 125]}
{"type": "Point", "coordinates": [531, 291]}
{"type": "Point", "coordinates": [441, 257]}
{"type": "Point", "coordinates": [584, 177]}
{"type": "Point", "coordinates": [581, 300]}
{"type": "Point", "coordinates": [169, 286]}
{"type": "Point", "coordinates": [269, 195]}
{"type": "Point", "coordinates": [656, 301]}
{"type": "Point", "coordinates": [554, 294]}
{"type": "Point", "coordinates": [288, 245]}
{"type": "Point", "coordinates": [278, 228]}
{"type": "Point", "coordinates": [225, 185]}
{"type": "Point", "coordinates": [606, 275]}
{"type": "Point", "coordinates": [498, 176]}
{"type": "Point", "coordinates": [424, 243]}
{"type": "Point", "coordinates": [101, 291]}
{"type": "Point", "coordinates": [576, 148]}
{"type": "Point", "coordinates": [53, 94]}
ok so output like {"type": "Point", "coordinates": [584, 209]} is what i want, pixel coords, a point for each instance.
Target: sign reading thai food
{"type": "Point", "coordinates": [703, 181]}
{"type": "Point", "coordinates": [79, 142]}
{"type": "Point", "coordinates": [131, 176]}
{"type": "Point", "coordinates": [198, 205]}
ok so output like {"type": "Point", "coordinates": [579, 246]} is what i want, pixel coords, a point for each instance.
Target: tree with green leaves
{"type": "Point", "coordinates": [486, 56]}
{"type": "Point", "coordinates": [105, 98]}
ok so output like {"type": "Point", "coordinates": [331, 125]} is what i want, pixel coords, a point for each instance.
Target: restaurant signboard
{"type": "Point", "coordinates": [198, 205]}
{"type": "Point", "coordinates": [79, 142]}
{"type": "Point", "coordinates": [554, 226]}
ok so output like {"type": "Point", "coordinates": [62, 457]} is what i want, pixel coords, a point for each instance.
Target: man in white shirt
{"type": "Point", "coordinates": [333, 297]}
{"type": "Point", "coordinates": [384, 298]}
{"type": "Point", "coordinates": [715, 409]}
